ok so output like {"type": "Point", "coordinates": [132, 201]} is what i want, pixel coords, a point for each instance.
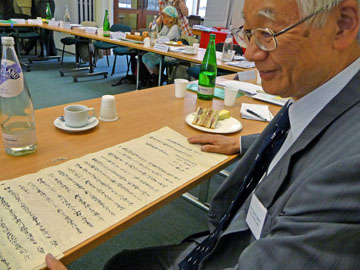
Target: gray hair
{"type": "Point", "coordinates": [308, 7]}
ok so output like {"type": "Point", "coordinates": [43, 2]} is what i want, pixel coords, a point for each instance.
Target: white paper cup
{"type": "Point", "coordinates": [180, 87]}
{"type": "Point", "coordinates": [230, 95]}
{"type": "Point", "coordinates": [77, 115]}
{"type": "Point", "coordinates": [196, 46]}
{"type": "Point", "coordinates": [147, 42]}
{"type": "Point", "coordinates": [108, 110]}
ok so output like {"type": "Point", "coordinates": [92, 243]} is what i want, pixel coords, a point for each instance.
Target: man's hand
{"type": "Point", "coordinates": [217, 143]}
{"type": "Point", "coordinates": [53, 264]}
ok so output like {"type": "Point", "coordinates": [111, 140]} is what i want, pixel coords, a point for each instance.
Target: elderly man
{"type": "Point", "coordinates": [293, 202]}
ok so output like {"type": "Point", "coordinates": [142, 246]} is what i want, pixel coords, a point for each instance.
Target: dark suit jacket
{"type": "Point", "coordinates": [312, 196]}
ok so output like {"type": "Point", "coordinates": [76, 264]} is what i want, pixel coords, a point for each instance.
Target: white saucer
{"type": "Point", "coordinates": [93, 122]}
{"type": "Point", "coordinates": [189, 53]}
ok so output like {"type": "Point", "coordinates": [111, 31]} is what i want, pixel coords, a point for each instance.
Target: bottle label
{"type": "Point", "coordinates": [21, 139]}
{"type": "Point", "coordinates": [206, 90]}
{"type": "Point", "coordinates": [11, 79]}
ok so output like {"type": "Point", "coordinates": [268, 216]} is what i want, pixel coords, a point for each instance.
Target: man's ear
{"type": "Point", "coordinates": [348, 23]}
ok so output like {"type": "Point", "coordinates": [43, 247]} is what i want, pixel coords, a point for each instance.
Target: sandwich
{"type": "Point", "coordinates": [206, 117]}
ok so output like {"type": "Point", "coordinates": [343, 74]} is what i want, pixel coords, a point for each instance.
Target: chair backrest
{"type": "Point", "coordinates": [194, 20]}
{"type": "Point", "coordinates": [89, 24]}
{"type": "Point", "coordinates": [120, 28]}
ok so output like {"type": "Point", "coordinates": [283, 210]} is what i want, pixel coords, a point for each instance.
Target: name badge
{"type": "Point", "coordinates": [91, 30]}
{"type": "Point", "coordinates": [161, 47]}
{"type": "Point", "coordinates": [67, 25]}
{"type": "Point", "coordinates": [256, 216]}
{"type": "Point", "coordinates": [163, 40]}
{"type": "Point", "coordinates": [54, 23]}
{"type": "Point", "coordinates": [117, 35]}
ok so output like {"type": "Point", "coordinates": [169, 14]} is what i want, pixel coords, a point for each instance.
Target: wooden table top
{"type": "Point", "coordinates": [82, 33]}
{"type": "Point", "coordinates": [140, 112]}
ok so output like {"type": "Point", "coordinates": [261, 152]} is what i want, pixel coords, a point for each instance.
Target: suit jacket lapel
{"type": "Point", "coordinates": [348, 97]}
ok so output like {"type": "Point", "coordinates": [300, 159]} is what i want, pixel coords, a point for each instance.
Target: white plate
{"type": "Point", "coordinates": [228, 125]}
{"type": "Point", "coordinates": [93, 122]}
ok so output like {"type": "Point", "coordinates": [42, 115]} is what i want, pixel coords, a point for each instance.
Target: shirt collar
{"type": "Point", "coordinates": [304, 110]}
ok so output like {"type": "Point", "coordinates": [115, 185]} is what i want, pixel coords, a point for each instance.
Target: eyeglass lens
{"type": "Point", "coordinates": [263, 38]}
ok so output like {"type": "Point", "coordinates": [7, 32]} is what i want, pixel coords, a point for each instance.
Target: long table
{"type": "Point", "coordinates": [140, 47]}
{"type": "Point", "coordinates": [140, 112]}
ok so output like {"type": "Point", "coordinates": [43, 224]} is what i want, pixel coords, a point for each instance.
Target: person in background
{"type": "Point", "coordinates": [171, 30]}
{"type": "Point", "coordinates": [183, 12]}
{"type": "Point", "coordinates": [48, 47]}
{"type": "Point", "coordinates": [6, 9]}
{"type": "Point", "coordinates": [293, 201]}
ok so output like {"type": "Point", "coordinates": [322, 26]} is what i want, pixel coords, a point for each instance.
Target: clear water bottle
{"type": "Point", "coordinates": [67, 15]}
{"type": "Point", "coordinates": [227, 53]}
{"type": "Point", "coordinates": [154, 31]}
{"type": "Point", "coordinates": [16, 108]}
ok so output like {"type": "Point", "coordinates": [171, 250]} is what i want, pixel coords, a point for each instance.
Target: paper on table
{"type": "Point", "coordinates": [271, 98]}
{"type": "Point", "coordinates": [59, 207]}
{"type": "Point", "coordinates": [242, 64]}
{"type": "Point", "coordinates": [177, 49]}
{"type": "Point", "coordinates": [261, 110]}
{"type": "Point", "coordinates": [247, 88]}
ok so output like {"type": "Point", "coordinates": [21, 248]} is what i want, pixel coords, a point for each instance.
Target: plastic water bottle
{"type": "Point", "coordinates": [16, 108]}
{"type": "Point", "coordinates": [227, 53]}
{"type": "Point", "coordinates": [67, 15]}
{"type": "Point", "coordinates": [154, 31]}
{"type": "Point", "coordinates": [208, 71]}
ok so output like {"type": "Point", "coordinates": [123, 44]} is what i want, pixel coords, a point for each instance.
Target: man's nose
{"type": "Point", "coordinates": [254, 53]}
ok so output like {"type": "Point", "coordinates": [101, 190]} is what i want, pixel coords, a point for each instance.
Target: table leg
{"type": "Point", "coordinates": [137, 70]}
{"type": "Point", "coordinates": [160, 69]}
{"type": "Point", "coordinates": [91, 71]}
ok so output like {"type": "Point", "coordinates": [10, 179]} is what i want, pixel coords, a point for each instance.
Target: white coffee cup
{"type": "Point", "coordinates": [62, 24]}
{"type": "Point", "coordinates": [190, 50]}
{"type": "Point", "coordinates": [230, 95]}
{"type": "Point", "coordinates": [78, 115]}
{"type": "Point", "coordinates": [180, 87]}
{"type": "Point", "coordinates": [108, 110]}
{"type": "Point", "coordinates": [196, 46]}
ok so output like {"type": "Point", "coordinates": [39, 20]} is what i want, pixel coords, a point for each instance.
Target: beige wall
{"type": "Point", "coordinates": [100, 7]}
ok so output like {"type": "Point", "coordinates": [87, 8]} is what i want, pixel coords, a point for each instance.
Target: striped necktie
{"type": "Point", "coordinates": [266, 153]}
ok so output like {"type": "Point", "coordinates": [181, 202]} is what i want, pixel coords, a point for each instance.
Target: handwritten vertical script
{"type": "Point", "coordinates": [59, 207]}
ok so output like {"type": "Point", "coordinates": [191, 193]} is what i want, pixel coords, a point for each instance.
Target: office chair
{"type": "Point", "coordinates": [26, 33]}
{"type": "Point", "coordinates": [107, 46]}
{"type": "Point", "coordinates": [172, 65]}
{"type": "Point", "coordinates": [194, 20]}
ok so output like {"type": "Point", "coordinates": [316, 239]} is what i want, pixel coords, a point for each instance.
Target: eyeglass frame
{"type": "Point", "coordinates": [250, 33]}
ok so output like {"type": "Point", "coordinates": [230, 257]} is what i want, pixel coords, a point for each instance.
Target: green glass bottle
{"type": "Point", "coordinates": [48, 11]}
{"type": "Point", "coordinates": [208, 71]}
{"type": "Point", "coordinates": [106, 25]}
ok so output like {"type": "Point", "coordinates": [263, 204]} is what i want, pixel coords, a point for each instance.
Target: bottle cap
{"type": "Point", "coordinates": [7, 41]}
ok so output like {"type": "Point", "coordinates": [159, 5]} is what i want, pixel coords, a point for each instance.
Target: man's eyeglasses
{"type": "Point", "coordinates": [265, 38]}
